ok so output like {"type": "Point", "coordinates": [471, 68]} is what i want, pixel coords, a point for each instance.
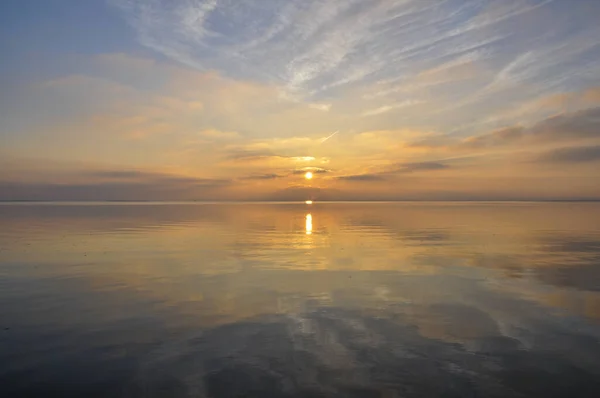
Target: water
{"type": "Point", "coordinates": [295, 300]}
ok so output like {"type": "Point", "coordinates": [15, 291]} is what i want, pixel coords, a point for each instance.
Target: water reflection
{"type": "Point", "coordinates": [232, 300]}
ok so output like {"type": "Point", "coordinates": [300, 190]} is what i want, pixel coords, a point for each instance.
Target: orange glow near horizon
{"type": "Point", "coordinates": [309, 202]}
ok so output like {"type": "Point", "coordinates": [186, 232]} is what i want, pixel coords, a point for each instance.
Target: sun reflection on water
{"type": "Point", "coordinates": [309, 224]}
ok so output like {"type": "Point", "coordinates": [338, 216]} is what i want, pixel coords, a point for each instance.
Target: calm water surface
{"type": "Point", "coordinates": [291, 300]}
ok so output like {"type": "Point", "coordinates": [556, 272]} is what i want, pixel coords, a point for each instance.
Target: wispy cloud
{"type": "Point", "coordinates": [251, 155]}
{"type": "Point", "coordinates": [311, 47]}
{"type": "Point", "coordinates": [387, 108]}
{"type": "Point", "coordinates": [329, 136]}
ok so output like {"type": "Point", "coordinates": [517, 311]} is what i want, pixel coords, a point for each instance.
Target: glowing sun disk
{"type": "Point", "coordinates": [308, 175]}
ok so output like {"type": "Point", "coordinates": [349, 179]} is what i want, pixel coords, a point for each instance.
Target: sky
{"type": "Point", "coordinates": [238, 99]}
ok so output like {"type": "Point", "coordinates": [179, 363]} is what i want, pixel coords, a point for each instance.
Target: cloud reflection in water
{"type": "Point", "coordinates": [223, 300]}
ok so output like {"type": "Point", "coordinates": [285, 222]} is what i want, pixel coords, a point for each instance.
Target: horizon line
{"type": "Point", "coordinates": [191, 202]}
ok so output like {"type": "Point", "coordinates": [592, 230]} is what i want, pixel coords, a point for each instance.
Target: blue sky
{"type": "Point", "coordinates": [228, 99]}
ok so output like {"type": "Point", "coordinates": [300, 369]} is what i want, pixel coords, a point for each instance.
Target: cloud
{"type": "Point", "coordinates": [117, 174]}
{"type": "Point", "coordinates": [408, 181]}
{"type": "Point", "coordinates": [315, 170]}
{"type": "Point", "coordinates": [256, 89]}
{"type": "Point", "coordinates": [44, 180]}
{"type": "Point", "coordinates": [106, 191]}
{"type": "Point", "coordinates": [148, 177]}
{"type": "Point", "coordinates": [421, 166]}
{"type": "Point", "coordinates": [592, 95]}
{"type": "Point", "coordinates": [116, 185]}
{"type": "Point", "coordinates": [566, 127]}
{"type": "Point", "coordinates": [303, 158]}
{"type": "Point", "coordinates": [581, 124]}
{"type": "Point", "coordinates": [301, 193]}
{"type": "Point", "coordinates": [495, 138]}
{"type": "Point", "coordinates": [243, 155]}
{"type": "Point", "coordinates": [260, 177]}
{"type": "Point", "coordinates": [312, 47]}
{"type": "Point", "coordinates": [320, 107]}
{"type": "Point", "coordinates": [272, 176]}
{"type": "Point", "coordinates": [391, 107]}
{"type": "Point", "coordinates": [572, 126]}
{"type": "Point", "coordinates": [219, 135]}
{"type": "Point", "coordinates": [329, 136]}
{"type": "Point", "coordinates": [390, 172]}
{"type": "Point", "coordinates": [249, 154]}
{"type": "Point", "coordinates": [580, 154]}
{"type": "Point", "coordinates": [363, 177]}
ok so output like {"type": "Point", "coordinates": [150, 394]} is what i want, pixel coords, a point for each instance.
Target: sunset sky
{"type": "Point", "coordinates": [238, 99]}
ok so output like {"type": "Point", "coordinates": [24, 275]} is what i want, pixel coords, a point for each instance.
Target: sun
{"type": "Point", "coordinates": [308, 175]}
